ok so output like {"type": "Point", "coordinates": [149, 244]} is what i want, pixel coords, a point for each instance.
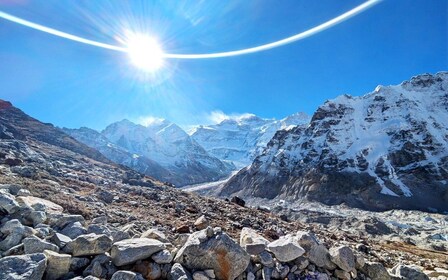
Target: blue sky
{"type": "Point", "coordinates": [71, 84]}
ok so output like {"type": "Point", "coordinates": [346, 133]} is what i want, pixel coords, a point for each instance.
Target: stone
{"type": "Point", "coordinates": [74, 230]}
{"type": "Point", "coordinates": [341, 274]}
{"type": "Point", "coordinates": [23, 267]}
{"type": "Point", "coordinates": [60, 240]}
{"type": "Point", "coordinates": [360, 261]}
{"type": "Point", "coordinates": [320, 256]}
{"type": "Point", "coordinates": [178, 272]}
{"type": "Point", "coordinates": [218, 252]}
{"type": "Point", "coordinates": [201, 223]}
{"type": "Point", "coordinates": [102, 220]}
{"type": "Point", "coordinates": [8, 203]}
{"type": "Point", "coordinates": [40, 204]}
{"type": "Point", "coordinates": [252, 242]}
{"type": "Point", "coordinates": [301, 263]}
{"type": "Point", "coordinates": [149, 270]}
{"type": "Point", "coordinates": [156, 234]}
{"type": "Point", "coordinates": [131, 250]}
{"type": "Point", "coordinates": [99, 229]}
{"type": "Point", "coordinates": [376, 271]}
{"type": "Point", "coordinates": [266, 259]}
{"type": "Point", "coordinates": [406, 272]}
{"type": "Point", "coordinates": [57, 264]}
{"type": "Point", "coordinates": [23, 192]}
{"type": "Point", "coordinates": [59, 220]}
{"type": "Point", "coordinates": [16, 250]}
{"type": "Point", "coordinates": [120, 235]}
{"type": "Point", "coordinates": [181, 239]}
{"type": "Point", "coordinates": [343, 257]}
{"type": "Point", "coordinates": [124, 275]}
{"type": "Point", "coordinates": [78, 263]}
{"type": "Point", "coordinates": [286, 248]}
{"type": "Point", "coordinates": [200, 275]}
{"type": "Point", "coordinates": [237, 200]}
{"type": "Point", "coordinates": [162, 257]}
{"type": "Point", "coordinates": [34, 244]}
{"type": "Point", "coordinates": [306, 240]}
{"type": "Point", "coordinates": [210, 273]}
{"type": "Point", "coordinates": [37, 217]}
{"type": "Point", "coordinates": [101, 266]}
{"type": "Point", "coordinates": [90, 244]}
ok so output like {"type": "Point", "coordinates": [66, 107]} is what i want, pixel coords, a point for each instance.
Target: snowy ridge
{"type": "Point", "coordinates": [392, 141]}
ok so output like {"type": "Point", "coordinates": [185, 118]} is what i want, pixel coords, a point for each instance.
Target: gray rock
{"type": "Point", "coordinates": [78, 263]}
{"type": "Point", "coordinates": [74, 230]}
{"type": "Point", "coordinates": [60, 240]}
{"type": "Point", "coordinates": [39, 204]}
{"type": "Point", "coordinates": [178, 272]}
{"type": "Point", "coordinates": [37, 217]}
{"type": "Point", "coordinates": [306, 240]}
{"type": "Point", "coordinates": [406, 272]}
{"type": "Point", "coordinates": [90, 244]}
{"type": "Point", "coordinates": [23, 267]}
{"type": "Point", "coordinates": [120, 235]}
{"type": "Point", "coordinates": [376, 271]}
{"type": "Point", "coordinates": [266, 259]}
{"type": "Point", "coordinates": [99, 229]}
{"type": "Point", "coordinates": [201, 223]}
{"type": "Point", "coordinates": [252, 242]}
{"type": "Point", "coordinates": [8, 203]}
{"type": "Point", "coordinates": [149, 270]}
{"type": "Point", "coordinates": [61, 220]}
{"type": "Point", "coordinates": [162, 257]}
{"type": "Point", "coordinates": [102, 220]}
{"type": "Point", "coordinates": [34, 244]}
{"type": "Point", "coordinates": [320, 256]}
{"type": "Point", "coordinates": [343, 257]}
{"type": "Point", "coordinates": [342, 274]}
{"type": "Point", "coordinates": [131, 250]}
{"type": "Point", "coordinates": [218, 252]}
{"type": "Point", "coordinates": [57, 265]}
{"type": "Point", "coordinates": [286, 248]}
{"type": "Point", "coordinates": [16, 250]}
{"type": "Point", "coordinates": [23, 192]}
{"type": "Point", "coordinates": [200, 275]}
{"type": "Point", "coordinates": [101, 267]}
{"type": "Point", "coordinates": [124, 275]}
{"type": "Point", "coordinates": [156, 234]}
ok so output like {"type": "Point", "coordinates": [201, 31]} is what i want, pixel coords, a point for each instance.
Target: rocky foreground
{"type": "Point", "coordinates": [40, 241]}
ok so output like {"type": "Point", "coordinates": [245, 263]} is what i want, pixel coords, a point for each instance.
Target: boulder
{"type": "Point", "coordinates": [59, 220]}
{"type": "Point", "coordinates": [343, 257]}
{"type": "Point", "coordinates": [23, 267]}
{"type": "Point", "coordinates": [78, 263]}
{"type": "Point", "coordinates": [320, 256]}
{"type": "Point", "coordinates": [155, 234]}
{"type": "Point", "coordinates": [201, 223]}
{"type": "Point", "coordinates": [286, 248]}
{"type": "Point", "coordinates": [125, 275]}
{"type": "Point", "coordinates": [60, 240]}
{"type": "Point", "coordinates": [149, 270]}
{"type": "Point", "coordinates": [90, 244]}
{"type": "Point", "coordinates": [376, 271]}
{"type": "Point", "coordinates": [252, 242]}
{"type": "Point", "coordinates": [239, 201]}
{"type": "Point", "coordinates": [178, 272]}
{"type": "Point", "coordinates": [8, 203]}
{"type": "Point", "coordinates": [162, 257]}
{"type": "Point", "coordinates": [213, 249]}
{"type": "Point", "coordinates": [37, 217]}
{"type": "Point", "coordinates": [57, 264]}
{"type": "Point", "coordinates": [40, 204]}
{"type": "Point", "coordinates": [131, 250]}
{"type": "Point", "coordinates": [101, 266]}
{"type": "Point", "coordinates": [34, 244]}
{"type": "Point", "coordinates": [406, 272]}
{"type": "Point", "coordinates": [74, 230]}
{"type": "Point", "coordinates": [200, 275]}
{"type": "Point", "coordinates": [306, 240]}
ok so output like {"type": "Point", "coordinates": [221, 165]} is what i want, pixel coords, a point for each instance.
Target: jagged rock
{"type": "Point", "coordinates": [266, 259]}
{"type": "Point", "coordinates": [120, 235]}
{"type": "Point", "coordinates": [201, 223]}
{"type": "Point", "coordinates": [162, 257]}
{"type": "Point", "coordinates": [149, 270]}
{"type": "Point", "coordinates": [237, 200]}
{"type": "Point", "coordinates": [16, 250]}
{"type": "Point", "coordinates": [286, 248]}
{"type": "Point", "coordinates": [252, 242]}
{"type": "Point", "coordinates": [106, 196]}
{"type": "Point", "coordinates": [57, 265]}
{"type": "Point", "coordinates": [78, 263]}
{"type": "Point", "coordinates": [217, 251]}
{"type": "Point", "coordinates": [125, 275]}
{"type": "Point", "coordinates": [99, 229]}
{"type": "Point", "coordinates": [24, 267]}
{"type": "Point", "coordinates": [14, 232]}
{"type": "Point", "coordinates": [306, 240]}
{"type": "Point", "coordinates": [406, 272]}
{"type": "Point", "coordinates": [376, 271]}
{"type": "Point", "coordinates": [178, 272]}
{"type": "Point", "coordinates": [342, 274]}
{"type": "Point", "coordinates": [131, 250]}
{"type": "Point", "coordinates": [40, 204]}
{"type": "Point", "coordinates": [343, 257]}
{"type": "Point", "coordinates": [61, 220]}
{"type": "Point", "coordinates": [320, 256]}
{"type": "Point", "coordinates": [74, 230]}
{"type": "Point", "coordinates": [280, 271]}
{"type": "Point", "coordinates": [101, 266]}
{"type": "Point", "coordinates": [60, 240]}
{"type": "Point", "coordinates": [8, 203]}
{"type": "Point", "coordinates": [34, 244]}
{"type": "Point", "coordinates": [156, 234]}
{"type": "Point", "coordinates": [37, 217]}
{"type": "Point", "coordinates": [90, 244]}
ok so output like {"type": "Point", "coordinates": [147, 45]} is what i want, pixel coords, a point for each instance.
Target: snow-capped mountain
{"type": "Point", "coordinates": [240, 140]}
{"type": "Point", "coordinates": [161, 149]}
{"type": "Point", "coordinates": [387, 149]}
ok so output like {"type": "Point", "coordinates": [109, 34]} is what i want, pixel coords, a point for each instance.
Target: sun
{"type": "Point", "coordinates": [144, 52]}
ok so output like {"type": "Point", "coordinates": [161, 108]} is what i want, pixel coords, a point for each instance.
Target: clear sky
{"type": "Point", "coordinates": [72, 84]}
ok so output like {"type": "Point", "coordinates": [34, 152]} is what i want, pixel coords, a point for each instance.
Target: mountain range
{"type": "Point", "coordinates": [385, 150]}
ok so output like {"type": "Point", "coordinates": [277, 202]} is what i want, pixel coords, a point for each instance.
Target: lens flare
{"type": "Point", "coordinates": [145, 52]}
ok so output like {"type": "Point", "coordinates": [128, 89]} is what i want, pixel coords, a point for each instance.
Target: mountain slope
{"type": "Point", "coordinates": [240, 140]}
{"type": "Point", "coordinates": [387, 149]}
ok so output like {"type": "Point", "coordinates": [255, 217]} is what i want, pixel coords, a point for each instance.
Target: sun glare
{"type": "Point", "coordinates": [145, 52]}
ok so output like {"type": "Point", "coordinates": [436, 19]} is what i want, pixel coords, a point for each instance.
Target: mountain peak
{"type": "Point", "coordinates": [5, 104]}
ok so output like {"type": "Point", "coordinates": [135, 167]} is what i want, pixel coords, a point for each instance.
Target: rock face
{"type": "Point", "coordinates": [384, 150]}
{"type": "Point", "coordinates": [23, 267]}
{"type": "Point", "coordinates": [208, 249]}
{"type": "Point", "coordinates": [239, 140]}
{"type": "Point", "coordinates": [131, 250]}
{"type": "Point", "coordinates": [160, 149]}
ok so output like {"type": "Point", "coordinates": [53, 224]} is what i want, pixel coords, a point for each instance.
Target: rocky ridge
{"type": "Point", "coordinates": [385, 150]}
